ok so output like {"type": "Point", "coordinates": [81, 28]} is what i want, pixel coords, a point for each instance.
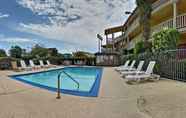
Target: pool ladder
{"type": "Point", "coordinates": [75, 81]}
{"type": "Point", "coordinates": [58, 85]}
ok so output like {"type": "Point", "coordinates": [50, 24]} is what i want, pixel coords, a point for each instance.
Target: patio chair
{"type": "Point", "coordinates": [123, 66]}
{"type": "Point", "coordinates": [131, 67]}
{"type": "Point", "coordinates": [144, 75]}
{"type": "Point", "coordinates": [42, 64]}
{"type": "Point", "coordinates": [130, 72]}
{"type": "Point", "coordinates": [49, 64]}
{"type": "Point", "coordinates": [24, 66]}
{"type": "Point", "coordinates": [33, 65]}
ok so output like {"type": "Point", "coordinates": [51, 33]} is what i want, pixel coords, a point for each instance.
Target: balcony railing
{"type": "Point", "coordinates": [110, 41]}
{"type": "Point", "coordinates": [180, 23]}
{"type": "Point", "coordinates": [108, 50]}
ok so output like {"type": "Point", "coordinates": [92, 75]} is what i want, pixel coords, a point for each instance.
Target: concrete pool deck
{"type": "Point", "coordinates": [161, 99]}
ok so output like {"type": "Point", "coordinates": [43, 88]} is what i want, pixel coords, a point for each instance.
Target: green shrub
{"type": "Point", "coordinates": [167, 39]}
{"type": "Point", "coordinates": [39, 52]}
{"type": "Point", "coordinates": [56, 60]}
{"type": "Point", "coordinates": [2, 53]}
{"type": "Point", "coordinates": [139, 48]}
{"type": "Point", "coordinates": [27, 56]}
{"type": "Point", "coordinates": [16, 52]}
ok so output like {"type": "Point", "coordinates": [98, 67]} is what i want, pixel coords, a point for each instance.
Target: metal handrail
{"type": "Point", "coordinates": [59, 75]}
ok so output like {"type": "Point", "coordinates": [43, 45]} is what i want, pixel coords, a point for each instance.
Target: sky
{"type": "Point", "coordinates": [68, 25]}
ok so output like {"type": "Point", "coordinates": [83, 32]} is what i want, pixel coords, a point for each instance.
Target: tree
{"type": "Point", "coordinates": [2, 53]}
{"type": "Point", "coordinates": [145, 10]}
{"type": "Point", "coordinates": [16, 52]}
{"type": "Point", "coordinates": [167, 39]}
{"type": "Point", "coordinates": [39, 52]}
{"type": "Point", "coordinates": [80, 54]}
{"type": "Point", "coordinates": [67, 56]}
{"type": "Point", "coordinates": [52, 52]}
{"type": "Point", "coordinates": [27, 56]}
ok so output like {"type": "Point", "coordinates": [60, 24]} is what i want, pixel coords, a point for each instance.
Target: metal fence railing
{"type": "Point", "coordinates": [170, 64]}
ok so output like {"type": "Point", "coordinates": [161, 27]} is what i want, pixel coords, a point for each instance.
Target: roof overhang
{"type": "Point", "coordinates": [114, 30]}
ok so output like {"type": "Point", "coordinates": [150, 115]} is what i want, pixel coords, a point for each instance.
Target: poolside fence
{"type": "Point", "coordinates": [170, 64]}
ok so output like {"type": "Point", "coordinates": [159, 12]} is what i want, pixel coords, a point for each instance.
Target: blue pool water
{"type": "Point", "coordinates": [87, 77]}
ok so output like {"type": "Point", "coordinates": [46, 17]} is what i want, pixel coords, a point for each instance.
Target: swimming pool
{"type": "Point", "coordinates": [85, 81]}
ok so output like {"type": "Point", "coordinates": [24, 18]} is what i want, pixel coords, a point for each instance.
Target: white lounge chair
{"type": "Point", "coordinates": [143, 75]}
{"type": "Point", "coordinates": [49, 64]}
{"type": "Point", "coordinates": [123, 66]}
{"type": "Point", "coordinates": [131, 67]}
{"type": "Point", "coordinates": [130, 72]}
{"type": "Point", "coordinates": [33, 65]}
{"type": "Point", "coordinates": [41, 63]}
{"type": "Point", "coordinates": [24, 66]}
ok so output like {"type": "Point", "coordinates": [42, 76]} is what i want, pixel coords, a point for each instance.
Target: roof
{"type": "Point", "coordinates": [114, 30]}
{"type": "Point", "coordinates": [106, 53]}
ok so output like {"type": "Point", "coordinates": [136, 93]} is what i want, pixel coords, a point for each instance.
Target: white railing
{"type": "Point", "coordinates": [119, 38]}
{"type": "Point", "coordinates": [166, 24]}
{"type": "Point", "coordinates": [110, 41]}
{"type": "Point", "coordinates": [107, 50]}
{"type": "Point", "coordinates": [180, 23]}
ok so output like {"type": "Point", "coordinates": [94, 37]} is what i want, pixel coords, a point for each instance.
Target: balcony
{"type": "Point", "coordinates": [180, 24]}
{"type": "Point", "coordinates": [135, 23]}
{"type": "Point", "coordinates": [119, 38]}
{"type": "Point", "coordinates": [110, 42]}
{"type": "Point", "coordinates": [133, 26]}
{"type": "Point", "coordinates": [108, 50]}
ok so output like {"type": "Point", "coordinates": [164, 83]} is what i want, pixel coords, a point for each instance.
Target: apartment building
{"type": "Point", "coordinates": [166, 13]}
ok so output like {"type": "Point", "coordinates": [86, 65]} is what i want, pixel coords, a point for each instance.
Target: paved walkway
{"type": "Point", "coordinates": [163, 99]}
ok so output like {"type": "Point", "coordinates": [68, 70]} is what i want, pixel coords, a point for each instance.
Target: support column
{"type": "Point", "coordinates": [101, 41]}
{"type": "Point", "coordinates": [174, 12]}
{"type": "Point", "coordinates": [106, 39]}
{"type": "Point", "coordinates": [113, 41]}
{"type": "Point", "coordinates": [99, 47]}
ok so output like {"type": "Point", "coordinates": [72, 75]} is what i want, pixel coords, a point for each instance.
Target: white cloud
{"type": "Point", "coordinates": [76, 22]}
{"type": "Point", "coordinates": [4, 15]}
{"type": "Point", "coordinates": [16, 40]}
{"type": "Point", "coordinates": [7, 42]}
